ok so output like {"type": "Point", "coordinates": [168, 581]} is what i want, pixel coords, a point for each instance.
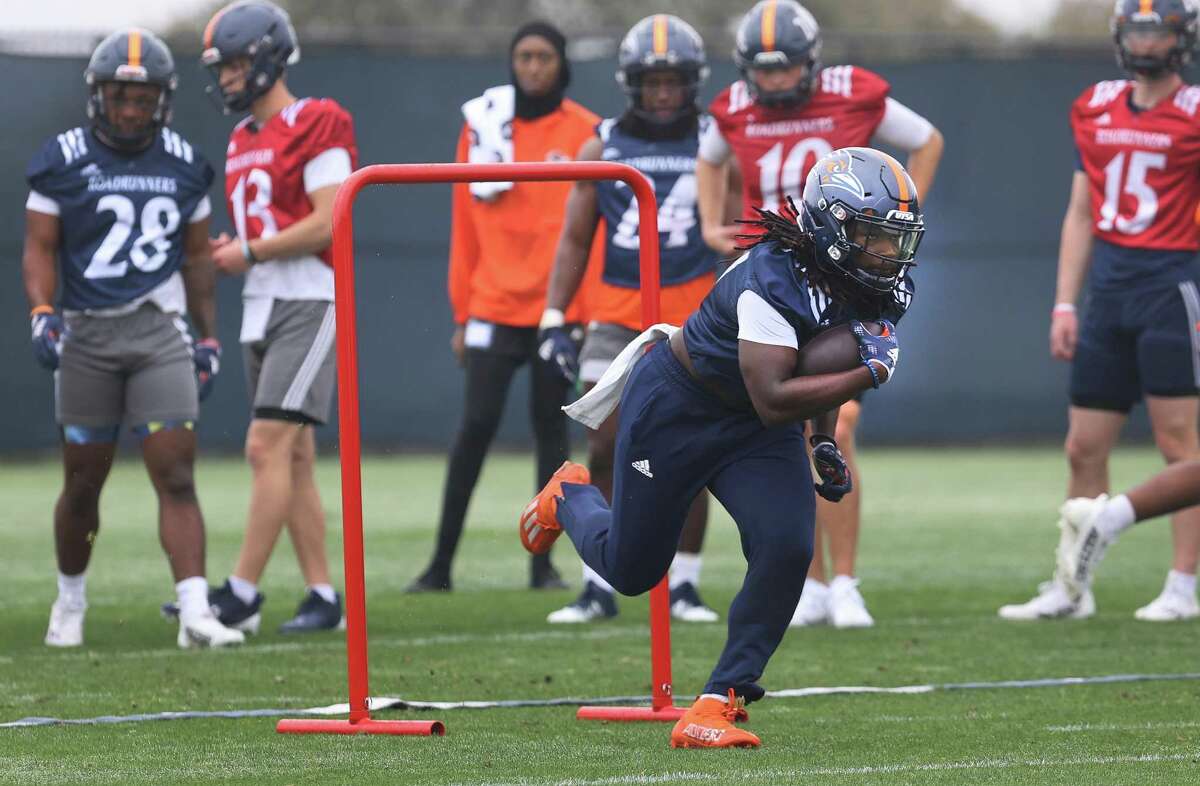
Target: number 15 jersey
{"type": "Point", "coordinates": [269, 173]}
{"type": "Point", "coordinates": [1143, 171]}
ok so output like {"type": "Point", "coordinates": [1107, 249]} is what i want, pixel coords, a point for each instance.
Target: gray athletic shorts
{"type": "Point", "coordinates": [292, 370]}
{"type": "Point", "coordinates": [603, 342]}
{"type": "Point", "coordinates": [135, 369]}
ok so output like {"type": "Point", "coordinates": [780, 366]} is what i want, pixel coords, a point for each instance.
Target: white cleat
{"type": "Point", "coordinates": [592, 604]}
{"type": "Point", "coordinates": [1080, 554]}
{"type": "Point", "coordinates": [1170, 606]}
{"type": "Point", "coordinates": [66, 625]}
{"type": "Point", "coordinates": [1052, 602]}
{"type": "Point", "coordinates": [206, 631]}
{"type": "Point", "coordinates": [847, 609]}
{"type": "Point", "coordinates": [813, 608]}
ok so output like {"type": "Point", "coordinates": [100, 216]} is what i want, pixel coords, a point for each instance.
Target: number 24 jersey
{"type": "Point", "coordinates": [269, 173]}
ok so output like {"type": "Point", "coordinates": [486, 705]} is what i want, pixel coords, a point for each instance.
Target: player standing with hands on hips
{"type": "Point", "coordinates": [720, 405]}
{"type": "Point", "coordinates": [1130, 232]}
{"type": "Point", "coordinates": [120, 210]}
{"type": "Point", "coordinates": [282, 168]}
{"type": "Point", "coordinates": [785, 113]}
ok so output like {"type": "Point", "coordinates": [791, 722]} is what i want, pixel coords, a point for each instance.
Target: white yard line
{"type": "Point", "coordinates": [1147, 726]}
{"type": "Point", "coordinates": [795, 776]}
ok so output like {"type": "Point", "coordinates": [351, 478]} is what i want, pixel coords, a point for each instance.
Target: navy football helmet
{"type": "Point", "coordinates": [1155, 18]}
{"type": "Point", "coordinates": [861, 209]}
{"type": "Point", "coordinates": [132, 56]}
{"type": "Point", "coordinates": [662, 42]}
{"type": "Point", "coordinates": [259, 31]}
{"type": "Point", "coordinates": [778, 34]}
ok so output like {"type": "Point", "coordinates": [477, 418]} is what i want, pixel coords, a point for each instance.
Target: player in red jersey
{"type": "Point", "coordinates": [1132, 215]}
{"type": "Point", "coordinates": [282, 169]}
{"type": "Point", "coordinates": [782, 116]}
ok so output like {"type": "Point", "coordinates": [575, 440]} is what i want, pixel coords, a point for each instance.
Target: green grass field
{"type": "Point", "coordinates": [949, 536]}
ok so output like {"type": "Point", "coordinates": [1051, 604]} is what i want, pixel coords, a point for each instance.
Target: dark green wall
{"type": "Point", "coordinates": [975, 364]}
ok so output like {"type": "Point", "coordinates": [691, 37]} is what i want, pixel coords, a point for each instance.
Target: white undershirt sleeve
{"type": "Point", "coordinates": [902, 128]}
{"type": "Point", "coordinates": [40, 203]}
{"type": "Point", "coordinates": [713, 147]}
{"type": "Point", "coordinates": [202, 211]}
{"type": "Point", "coordinates": [327, 169]}
{"type": "Point", "coordinates": [758, 321]}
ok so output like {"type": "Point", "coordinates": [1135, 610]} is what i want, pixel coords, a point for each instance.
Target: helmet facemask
{"type": "Point", "coordinates": [157, 109]}
{"type": "Point", "coordinates": [633, 79]}
{"type": "Point", "coordinates": [263, 67]}
{"type": "Point", "coordinates": [793, 96]}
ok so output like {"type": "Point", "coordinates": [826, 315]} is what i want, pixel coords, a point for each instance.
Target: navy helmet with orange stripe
{"type": "Point", "coordinates": [778, 34]}
{"type": "Point", "coordinates": [662, 42]}
{"type": "Point", "coordinates": [861, 209]}
{"type": "Point", "coordinates": [1155, 19]}
{"type": "Point", "coordinates": [258, 32]}
{"type": "Point", "coordinates": [133, 56]}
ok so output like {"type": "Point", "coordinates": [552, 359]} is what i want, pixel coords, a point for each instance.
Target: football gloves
{"type": "Point", "coordinates": [48, 330]}
{"type": "Point", "coordinates": [557, 347]}
{"type": "Point", "coordinates": [879, 353]}
{"type": "Point", "coordinates": [207, 358]}
{"type": "Point", "coordinates": [831, 468]}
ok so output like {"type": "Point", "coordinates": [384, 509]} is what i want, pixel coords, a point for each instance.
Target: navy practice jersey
{"type": "Point", "coordinates": [712, 332]}
{"type": "Point", "coordinates": [670, 165]}
{"type": "Point", "coordinates": [122, 216]}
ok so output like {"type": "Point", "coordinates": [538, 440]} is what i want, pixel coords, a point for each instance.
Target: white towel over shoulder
{"type": "Point", "coordinates": [592, 409]}
{"type": "Point", "coordinates": [490, 119]}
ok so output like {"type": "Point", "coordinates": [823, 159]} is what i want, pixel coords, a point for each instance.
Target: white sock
{"type": "Point", "coordinates": [813, 585]}
{"type": "Point", "coordinates": [842, 580]}
{"type": "Point", "coordinates": [1115, 517]}
{"type": "Point", "coordinates": [715, 696]}
{"type": "Point", "coordinates": [1183, 583]}
{"type": "Point", "coordinates": [326, 592]}
{"type": "Point", "coordinates": [595, 578]}
{"type": "Point", "coordinates": [685, 569]}
{"type": "Point", "coordinates": [246, 591]}
{"type": "Point", "coordinates": [72, 590]}
{"type": "Point", "coordinates": [192, 593]}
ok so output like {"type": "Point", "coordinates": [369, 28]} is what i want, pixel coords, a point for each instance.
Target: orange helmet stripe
{"type": "Point", "coordinates": [768, 26]}
{"type": "Point", "coordinates": [1146, 7]}
{"type": "Point", "coordinates": [660, 34]}
{"type": "Point", "coordinates": [906, 195]}
{"type": "Point", "coordinates": [135, 48]}
{"type": "Point", "coordinates": [211, 28]}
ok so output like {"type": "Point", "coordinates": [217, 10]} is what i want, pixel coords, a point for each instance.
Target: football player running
{"type": "Point", "coordinates": [786, 112]}
{"type": "Point", "coordinates": [661, 66]}
{"type": "Point", "coordinates": [119, 210]}
{"type": "Point", "coordinates": [719, 405]}
{"type": "Point", "coordinates": [1130, 232]}
{"type": "Point", "coordinates": [283, 166]}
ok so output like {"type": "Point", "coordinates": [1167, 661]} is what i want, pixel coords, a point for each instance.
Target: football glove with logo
{"type": "Point", "coordinates": [207, 358]}
{"type": "Point", "coordinates": [831, 468]}
{"type": "Point", "coordinates": [48, 330]}
{"type": "Point", "coordinates": [879, 353]}
{"type": "Point", "coordinates": [556, 346]}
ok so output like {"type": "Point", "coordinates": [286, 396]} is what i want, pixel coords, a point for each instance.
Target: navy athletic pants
{"type": "Point", "coordinates": [674, 439]}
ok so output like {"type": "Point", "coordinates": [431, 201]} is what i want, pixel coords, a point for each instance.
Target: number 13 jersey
{"type": "Point", "coordinates": [269, 173]}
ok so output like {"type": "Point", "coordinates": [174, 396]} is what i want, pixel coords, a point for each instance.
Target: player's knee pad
{"type": "Point", "coordinates": [90, 435]}
{"type": "Point", "coordinates": [149, 429]}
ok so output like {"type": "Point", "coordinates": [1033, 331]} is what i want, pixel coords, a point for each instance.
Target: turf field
{"type": "Point", "coordinates": [950, 535]}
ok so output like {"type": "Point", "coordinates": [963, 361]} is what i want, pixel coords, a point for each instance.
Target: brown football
{"type": "Point", "coordinates": [832, 351]}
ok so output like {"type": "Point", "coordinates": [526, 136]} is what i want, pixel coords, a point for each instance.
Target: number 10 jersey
{"type": "Point", "coordinates": [122, 215]}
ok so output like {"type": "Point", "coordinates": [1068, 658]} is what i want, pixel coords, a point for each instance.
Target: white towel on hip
{"type": "Point", "coordinates": [489, 118]}
{"type": "Point", "coordinates": [593, 408]}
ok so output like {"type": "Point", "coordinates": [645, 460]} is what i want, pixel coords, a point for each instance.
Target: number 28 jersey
{"type": "Point", "coordinates": [122, 216]}
{"type": "Point", "coordinates": [269, 173]}
{"type": "Point", "coordinates": [776, 146]}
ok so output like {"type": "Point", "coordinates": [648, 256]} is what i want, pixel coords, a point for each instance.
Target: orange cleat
{"type": "Point", "coordinates": [539, 526]}
{"type": "Point", "coordinates": [709, 724]}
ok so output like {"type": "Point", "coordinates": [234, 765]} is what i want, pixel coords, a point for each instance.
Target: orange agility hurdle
{"type": "Point", "coordinates": [350, 436]}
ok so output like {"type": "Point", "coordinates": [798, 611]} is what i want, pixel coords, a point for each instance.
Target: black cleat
{"type": "Point", "coordinates": [592, 604]}
{"type": "Point", "coordinates": [430, 581]}
{"type": "Point", "coordinates": [687, 606]}
{"type": "Point", "coordinates": [315, 614]}
{"type": "Point", "coordinates": [543, 576]}
{"type": "Point", "coordinates": [229, 609]}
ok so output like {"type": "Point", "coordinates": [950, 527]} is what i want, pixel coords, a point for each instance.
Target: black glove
{"type": "Point", "coordinates": [47, 333]}
{"type": "Point", "coordinates": [556, 346]}
{"type": "Point", "coordinates": [831, 468]}
{"type": "Point", "coordinates": [207, 359]}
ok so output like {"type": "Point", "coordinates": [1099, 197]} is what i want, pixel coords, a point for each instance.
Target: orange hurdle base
{"type": "Point", "coordinates": [364, 726]}
{"type": "Point", "coordinates": [668, 714]}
